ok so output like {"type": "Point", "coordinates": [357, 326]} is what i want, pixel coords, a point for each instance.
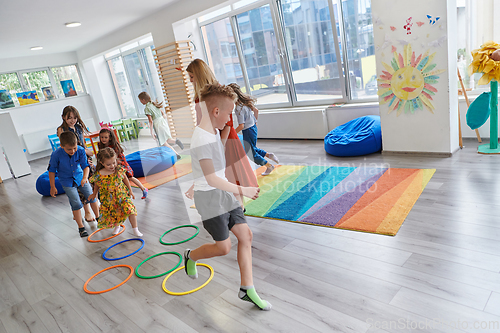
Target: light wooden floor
{"type": "Point", "coordinates": [441, 270]}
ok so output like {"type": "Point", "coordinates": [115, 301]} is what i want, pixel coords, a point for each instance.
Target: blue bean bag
{"type": "Point", "coordinates": [150, 161]}
{"type": "Point", "coordinates": [357, 137]}
{"type": "Point", "coordinates": [43, 185]}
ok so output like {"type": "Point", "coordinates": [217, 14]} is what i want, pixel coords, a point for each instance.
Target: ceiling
{"type": "Point", "coordinates": [28, 23]}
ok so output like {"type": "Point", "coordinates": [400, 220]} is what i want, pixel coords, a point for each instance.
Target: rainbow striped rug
{"type": "Point", "coordinates": [375, 200]}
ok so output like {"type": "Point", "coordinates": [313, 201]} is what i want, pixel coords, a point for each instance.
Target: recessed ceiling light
{"type": "Point", "coordinates": [73, 24]}
{"type": "Point", "coordinates": [36, 48]}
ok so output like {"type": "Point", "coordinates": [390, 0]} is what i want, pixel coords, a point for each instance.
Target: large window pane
{"type": "Point", "coordinates": [36, 81]}
{"type": "Point", "coordinates": [67, 73]}
{"type": "Point", "coordinates": [122, 87]}
{"type": "Point", "coordinates": [221, 52]}
{"type": "Point", "coordinates": [260, 53]}
{"type": "Point", "coordinates": [311, 49]}
{"type": "Point", "coordinates": [137, 79]}
{"type": "Point", "coordinates": [152, 74]}
{"type": "Point", "coordinates": [10, 82]}
{"type": "Point", "coordinates": [360, 48]}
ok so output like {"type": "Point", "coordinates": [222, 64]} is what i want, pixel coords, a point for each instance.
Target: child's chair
{"type": "Point", "coordinates": [120, 129]}
{"type": "Point", "coordinates": [54, 141]}
{"type": "Point", "coordinates": [128, 126]}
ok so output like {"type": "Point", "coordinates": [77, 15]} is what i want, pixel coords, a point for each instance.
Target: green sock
{"type": "Point", "coordinates": [250, 295]}
{"type": "Point", "coordinates": [190, 265]}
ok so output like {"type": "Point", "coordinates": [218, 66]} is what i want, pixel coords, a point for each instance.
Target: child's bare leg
{"type": "Point", "coordinates": [176, 142]}
{"type": "Point", "coordinates": [88, 213]}
{"type": "Point", "coordinates": [244, 236]}
{"type": "Point", "coordinates": [77, 216]}
{"type": "Point", "coordinates": [137, 182]}
{"type": "Point", "coordinates": [95, 208]}
{"type": "Point", "coordinates": [247, 289]}
{"type": "Point", "coordinates": [219, 248]}
{"type": "Point", "coordinates": [133, 223]}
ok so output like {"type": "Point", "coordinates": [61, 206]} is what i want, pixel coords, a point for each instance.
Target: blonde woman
{"type": "Point", "coordinates": [238, 169]}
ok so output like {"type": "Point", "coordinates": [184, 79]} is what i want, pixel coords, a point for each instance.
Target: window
{"type": "Point", "coordinates": [133, 72]}
{"type": "Point", "coordinates": [311, 49]}
{"type": "Point", "coordinates": [296, 52]}
{"type": "Point", "coordinates": [36, 81]}
{"type": "Point", "coordinates": [221, 51]}
{"type": "Point", "coordinates": [359, 46]}
{"type": "Point", "coordinates": [261, 56]}
{"type": "Point", "coordinates": [474, 27]}
{"type": "Point", "coordinates": [10, 83]}
{"type": "Point", "coordinates": [67, 73]}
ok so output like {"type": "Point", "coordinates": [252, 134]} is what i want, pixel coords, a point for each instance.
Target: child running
{"type": "Point", "coordinates": [70, 164]}
{"type": "Point", "coordinates": [214, 195]}
{"type": "Point", "coordinates": [157, 121]}
{"type": "Point", "coordinates": [247, 115]}
{"type": "Point", "coordinates": [114, 191]}
{"type": "Point", "coordinates": [108, 139]}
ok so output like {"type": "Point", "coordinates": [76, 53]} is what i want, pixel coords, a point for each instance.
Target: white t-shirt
{"type": "Point", "coordinates": [206, 145]}
{"type": "Point", "coordinates": [245, 116]}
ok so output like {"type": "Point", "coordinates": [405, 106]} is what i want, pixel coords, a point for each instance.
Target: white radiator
{"type": "Point", "coordinates": [38, 141]}
{"type": "Point", "coordinates": [295, 123]}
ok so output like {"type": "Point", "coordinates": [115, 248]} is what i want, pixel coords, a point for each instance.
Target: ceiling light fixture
{"type": "Point", "coordinates": [73, 24]}
{"type": "Point", "coordinates": [36, 48]}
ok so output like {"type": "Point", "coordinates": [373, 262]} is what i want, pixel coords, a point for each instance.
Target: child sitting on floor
{"type": "Point", "coordinates": [214, 195]}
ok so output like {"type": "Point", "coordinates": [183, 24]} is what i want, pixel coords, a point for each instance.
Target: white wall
{"type": "Point", "coordinates": [421, 131]}
{"type": "Point", "coordinates": [40, 116]}
{"type": "Point", "coordinates": [158, 24]}
{"type": "Point", "coordinates": [100, 87]}
{"type": "Point", "coordinates": [37, 61]}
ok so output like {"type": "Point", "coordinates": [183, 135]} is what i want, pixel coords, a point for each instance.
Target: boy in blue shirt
{"type": "Point", "coordinates": [214, 195]}
{"type": "Point", "coordinates": [70, 163]}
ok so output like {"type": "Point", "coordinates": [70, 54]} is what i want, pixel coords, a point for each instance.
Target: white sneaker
{"type": "Point", "coordinates": [273, 158]}
{"type": "Point", "coordinates": [93, 225]}
{"type": "Point", "coordinates": [269, 169]}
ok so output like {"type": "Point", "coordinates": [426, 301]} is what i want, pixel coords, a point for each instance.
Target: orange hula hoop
{"type": "Point", "coordinates": [106, 290]}
{"type": "Point", "coordinates": [105, 239]}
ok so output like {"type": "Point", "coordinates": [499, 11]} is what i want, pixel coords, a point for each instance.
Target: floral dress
{"type": "Point", "coordinates": [116, 204]}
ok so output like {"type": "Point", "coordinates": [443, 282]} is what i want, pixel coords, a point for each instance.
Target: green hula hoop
{"type": "Point", "coordinates": [183, 241]}
{"type": "Point", "coordinates": [156, 255]}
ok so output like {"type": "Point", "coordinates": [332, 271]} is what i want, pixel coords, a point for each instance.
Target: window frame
{"type": "Point", "coordinates": [53, 82]}
{"type": "Point", "coordinates": [279, 29]}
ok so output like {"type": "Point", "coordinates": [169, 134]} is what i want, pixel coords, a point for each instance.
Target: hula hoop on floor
{"type": "Point", "coordinates": [189, 291]}
{"type": "Point", "coordinates": [156, 255]}
{"type": "Point", "coordinates": [183, 241]}
{"type": "Point", "coordinates": [106, 290]}
{"type": "Point", "coordinates": [105, 239]}
{"type": "Point", "coordinates": [128, 255]}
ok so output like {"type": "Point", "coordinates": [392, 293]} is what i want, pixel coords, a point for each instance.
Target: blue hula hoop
{"type": "Point", "coordinates": [128, 255]}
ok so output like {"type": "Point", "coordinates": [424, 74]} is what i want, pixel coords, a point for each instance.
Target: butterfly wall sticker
{"type": "Point", "coordinates": [433, 20]}
{"type": "Point", "coordinates": [408, 25]}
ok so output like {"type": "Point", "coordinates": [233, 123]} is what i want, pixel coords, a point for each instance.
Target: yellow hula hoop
{"type": "Point", "coordinates": [190, 291]}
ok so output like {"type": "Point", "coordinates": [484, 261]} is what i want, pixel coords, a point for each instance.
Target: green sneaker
{"type": "Point", "coordinates": [190, 265]}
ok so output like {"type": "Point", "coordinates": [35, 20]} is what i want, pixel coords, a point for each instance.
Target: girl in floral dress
{"type": "Point", "coordinates": [115, 193]}
{"type": "Point", "coordinates": [107, 138]}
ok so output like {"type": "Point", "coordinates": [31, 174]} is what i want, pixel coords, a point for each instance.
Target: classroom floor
{"type": "Point", "coordinates": [440, 273]}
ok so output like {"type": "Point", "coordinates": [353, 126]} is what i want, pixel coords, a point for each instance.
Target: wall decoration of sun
{"type": "Point", "coordinates": [406, 84]}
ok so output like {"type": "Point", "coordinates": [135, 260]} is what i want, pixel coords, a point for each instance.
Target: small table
{"type": "Point", "coordinates": [93, 135]}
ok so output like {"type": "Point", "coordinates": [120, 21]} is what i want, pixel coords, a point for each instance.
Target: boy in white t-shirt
{"type": "Point", "coordinates": [214, 195]}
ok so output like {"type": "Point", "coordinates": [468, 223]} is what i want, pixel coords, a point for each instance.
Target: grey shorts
{"type": "Point", "coordinates": [220, 211]}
